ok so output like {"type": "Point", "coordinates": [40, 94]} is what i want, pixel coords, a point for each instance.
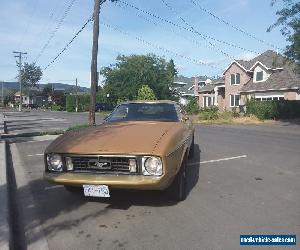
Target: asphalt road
{"type": "Point", "coordinates": [40, 121]}
{"type": "Point", "coordinates": [248, 182]}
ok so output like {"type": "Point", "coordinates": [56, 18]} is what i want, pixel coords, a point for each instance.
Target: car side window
{"type": "Point", "coordinates": [120, 113]}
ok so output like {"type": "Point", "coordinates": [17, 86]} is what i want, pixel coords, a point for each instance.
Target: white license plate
{"type": "Point", "coordinates": [96, 190]}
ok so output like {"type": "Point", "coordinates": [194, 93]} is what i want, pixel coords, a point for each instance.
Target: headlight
{"type": "Point", "coordinates": [54, 162]}
{"type": "Point", "coordinates": [152, 166]}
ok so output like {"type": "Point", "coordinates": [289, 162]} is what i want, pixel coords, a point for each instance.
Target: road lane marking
{"type": "Point", "coordinates": [218, 160]}
{"type": "Point", "coordinates": [35, 155]}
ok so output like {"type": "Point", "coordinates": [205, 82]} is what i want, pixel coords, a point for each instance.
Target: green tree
{"type": "Point", "coordinates": [289, 21]}
{"type": "Point", "coordinates": [9, 96]}
{"type": "Point", "coordinates": [47, 90]}
{"type": "Point", "coordinates": [146, 93]}
{"type": "Point", "coordinates": [192, 107]}
{"type": "Point", "coordinates": [30, 75]}
{"type": "Point", "coordinates": [123, 79]}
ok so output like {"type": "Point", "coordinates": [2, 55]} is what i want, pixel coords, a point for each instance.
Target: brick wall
{"type": "Point", "coordinates": [200, 100]}
{"type": "Point", "coordinates": [234, 89]}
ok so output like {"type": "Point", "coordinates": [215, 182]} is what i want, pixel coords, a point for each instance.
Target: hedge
{"type": "Point", "coordinates": [83, 101]}
{"type": "Point", "coordinates": [284, 109]}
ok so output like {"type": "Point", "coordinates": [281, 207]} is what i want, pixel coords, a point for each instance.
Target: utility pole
{"type": "Point", "coordinates": [76, 96]}
{"type": "Point", "coordinates": [94, 72]}
{"type": "Point", "coordinates": [2, 95]}
{"type": "Point", "coordinates": [19, 55]}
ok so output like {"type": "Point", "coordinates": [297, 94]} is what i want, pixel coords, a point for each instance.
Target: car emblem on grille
{"type": "Point", "coordinates": [100, 164]}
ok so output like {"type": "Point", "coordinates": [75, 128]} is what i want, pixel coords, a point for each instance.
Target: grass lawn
{"type": "Point", "coordinates": [228, 118]}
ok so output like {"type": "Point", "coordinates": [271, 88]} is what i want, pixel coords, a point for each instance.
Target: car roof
{"type": "Point", "coordinates": [150, 101]}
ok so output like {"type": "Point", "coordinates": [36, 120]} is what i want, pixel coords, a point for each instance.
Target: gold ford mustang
{"type": "Point", "coordinates": [141, 145]}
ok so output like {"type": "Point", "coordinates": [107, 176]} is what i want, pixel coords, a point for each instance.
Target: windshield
{"type": "Point", "coordinates": [144, 112]}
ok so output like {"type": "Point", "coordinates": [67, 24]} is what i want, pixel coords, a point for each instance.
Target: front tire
{"type": "Point", "coordinates": [192, 147]}
{"type": "Point", "coordinates": [178, 189]}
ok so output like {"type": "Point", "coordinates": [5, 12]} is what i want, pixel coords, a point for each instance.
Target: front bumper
{"type": "Point", "coordinates": [137, 182]}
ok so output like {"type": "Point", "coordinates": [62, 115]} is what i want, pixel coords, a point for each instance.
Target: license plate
{"type": "Point", "coordinates": [96, 190]}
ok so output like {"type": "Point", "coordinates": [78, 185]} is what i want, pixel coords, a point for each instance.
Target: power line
{"type": "Point", "coordinates": [165, 28]}
{"type": "Point", "coordinates": [185, 28]}
{"type": "Point", "coordinates": [49, 24]}
{"type": "Point", "coordinates": [72, 40]}
{"type": "Point", "coordinates": [68, 44]}
{"type": "Point", "coordinates": [195, 61]}
{"type": "Point", "coordinates": [53, 33]}
{"type": "Point", "coordinates": [232, 25]}
{"type": "Point", "coordinates": [192, 28]}
{"type": "Point", "coordinates": [25, 32]}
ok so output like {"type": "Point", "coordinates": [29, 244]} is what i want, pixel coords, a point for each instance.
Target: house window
{"type": "Point", "coordinates": [232, 82]}
{"type": "Point", "coordinates": [208, 101]}
{"type": "Point", "coordinates": [259, 76]}
{"type": "Point", "coordinates": [269, 98]}
{"type": "Point", "coordinates": [234, 100]}
{"type": "Point", "coordinates": [235, 79]}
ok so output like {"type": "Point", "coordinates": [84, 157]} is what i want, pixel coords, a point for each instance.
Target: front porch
{"type": "Point", "coordinates": [213, 97]}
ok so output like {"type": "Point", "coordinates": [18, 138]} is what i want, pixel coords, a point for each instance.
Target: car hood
{"type": "Point", "coordinates": [115, 138]}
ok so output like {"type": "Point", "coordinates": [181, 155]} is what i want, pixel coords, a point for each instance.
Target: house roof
{"type": "Point", "coordinates": [210, 87]}
{"type": "Point", "coordinates": [218, 80]}
{"type": "Point", "coordinates": [184, 79]}
{"type": "Point", "coordinates": [185, 85]}
{"type": "Point", "coordinates": [281, 79]}
{"type": "Point", "coordinates": [187, 89]}
{"type": "Point", "coordinates": [269, 59]}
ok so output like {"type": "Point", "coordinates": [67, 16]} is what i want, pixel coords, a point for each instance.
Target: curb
{"type": "Point", "coordinates": [2, 125]}
{"type": "Point", "coordinates": [32, 134]}
{"type": "Point", "coordinates": [4, 218]}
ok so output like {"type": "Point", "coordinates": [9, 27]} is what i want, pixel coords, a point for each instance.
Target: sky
{"type": "Point", "coordinates": [198, 43]}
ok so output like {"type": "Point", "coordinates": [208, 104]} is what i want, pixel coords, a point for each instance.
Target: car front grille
{"type": "Point", "coordinates": [101, 164]}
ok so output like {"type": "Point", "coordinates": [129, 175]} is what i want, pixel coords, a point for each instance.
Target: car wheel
{"type": "Point", "coordinates": [177, 190]}
{"type": "Point", "coordinates": [191, 152]}
{"type": "Point", "coordinates": [73, 189]}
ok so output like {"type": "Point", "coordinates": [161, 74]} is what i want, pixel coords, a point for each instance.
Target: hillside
{"type": "Point", "coordinates": [64, 86]}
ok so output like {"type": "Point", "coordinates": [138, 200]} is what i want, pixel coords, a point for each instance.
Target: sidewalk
{"type": "Point", "coordinates": [4, 225]}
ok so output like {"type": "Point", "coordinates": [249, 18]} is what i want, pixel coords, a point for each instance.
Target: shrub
{"type": "Point", "coordinates": [262, 109]}
{"type": "Point", "coordinates": [235, 113]}
{"type": "Point", "coordinates": [146, 93]}
{"type": "Point", "coordinates": [55, 107]}
{"type": "Point", "coordinates": [192, 107]}
{"type": "Point", "coordinates": [209, 113]}
{"type": "Point", "coordinates": [274, 109]}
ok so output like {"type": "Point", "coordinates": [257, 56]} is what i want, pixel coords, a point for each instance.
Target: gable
{"type": "Point", "coordinates": [236, 64]}
{"type": "Point", "coordinates": [265, 73]}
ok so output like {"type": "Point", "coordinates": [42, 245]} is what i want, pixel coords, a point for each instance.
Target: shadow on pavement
{"type": "Point", "coordinates": [288, 122]}
{"type": "Point", "coordinates": [48, 203]}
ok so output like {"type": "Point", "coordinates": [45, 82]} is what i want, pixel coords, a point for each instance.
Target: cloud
{"type": "Point", "coordinates": [246, 56]}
